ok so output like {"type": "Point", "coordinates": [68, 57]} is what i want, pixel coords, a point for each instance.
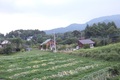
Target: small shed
{"type": "Point", "coordinates": [83, 42]}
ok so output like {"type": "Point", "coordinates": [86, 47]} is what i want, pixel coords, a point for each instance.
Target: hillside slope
{"type": "Point", "coordinates": [109, 52]}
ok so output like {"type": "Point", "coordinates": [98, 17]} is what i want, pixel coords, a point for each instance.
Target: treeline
{"type": "Point", "coordinates": [36, 36]}
{"type": "Point", "coordinates": [101, 30]}
{"type": "Point", "coordinates": [39, 36]}
{"type": "Point", "coordinates": [25, 34]}
{"type": "Point", "coordinates": [103, 33]}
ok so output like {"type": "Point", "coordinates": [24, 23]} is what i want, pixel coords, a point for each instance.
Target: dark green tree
{"type": "Point", "coordinates": [76, 33]}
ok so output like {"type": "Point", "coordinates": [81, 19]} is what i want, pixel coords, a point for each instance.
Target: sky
{"type": "Point", "coordinates": [50, 14]}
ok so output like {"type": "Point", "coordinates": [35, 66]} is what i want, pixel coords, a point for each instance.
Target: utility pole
{"type": "Point", "coordinates": [55, 43]}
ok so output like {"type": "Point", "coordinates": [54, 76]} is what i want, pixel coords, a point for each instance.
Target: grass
{"type": "Point", "coordinates": [109, 52]}
{"type": "Point", "coordinates": [39, 65]}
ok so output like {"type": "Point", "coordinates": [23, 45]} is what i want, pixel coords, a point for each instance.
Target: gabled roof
{"type": "Point", "coordinates": [45, 41]}
{"type": "Point", "coordinates": [5, 42]}
{"type": "Point", "coordinates": [86, 41]}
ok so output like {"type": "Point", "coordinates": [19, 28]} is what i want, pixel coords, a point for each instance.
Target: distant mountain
{"type": "Point", "coordinates": [68, 28]}
{"type": "Point", "coordinates": [106, 19]}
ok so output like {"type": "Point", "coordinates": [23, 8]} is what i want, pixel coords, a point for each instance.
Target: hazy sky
{"type": "Point", "coordinates": [49, 14]}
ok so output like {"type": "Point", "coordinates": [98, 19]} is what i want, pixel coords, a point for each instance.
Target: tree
{"type": "Point", "coordinates": [100, 29]}
{"type": "Point", "coordinates": [105, 32]}
{"type": "Point", "coordinates": [76, 33]}
{"type": "Point", "coordinates": [70, 41]}
{"type": "Point", "coordinates": [1, 35]}
{"type": "Point", "coordinates": [24, 34]}
{"type": "Point", "coordinates": [16, 42]}
{"type": "Point", "coordinates": [87, 31]}
{"type": "Point", "coordinates": [7, 49]}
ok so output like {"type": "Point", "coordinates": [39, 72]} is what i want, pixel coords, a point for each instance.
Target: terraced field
{"type": "Point", "coordinates": [38, 65]}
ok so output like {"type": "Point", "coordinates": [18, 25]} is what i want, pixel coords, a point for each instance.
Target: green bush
{"type": "Point", "coordinates": [86, 46]}
{"type": "Point", "coordinates": [7, 49]}
{"type": "Point", "coordinates": [61, 47]}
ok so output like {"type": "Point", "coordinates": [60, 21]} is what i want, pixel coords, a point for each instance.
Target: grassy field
{"type": "Point", "coordinates": [108, 53]}
{"type": "Point", "coordinates": [39, 65]}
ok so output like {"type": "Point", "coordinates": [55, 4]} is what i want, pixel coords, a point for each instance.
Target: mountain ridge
{"type": "Point", "coordinates": [77, 26]}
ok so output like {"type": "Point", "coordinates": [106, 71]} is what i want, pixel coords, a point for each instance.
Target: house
{"type": "Point", "coordinates": [5, 42]}
{"type": "Point", "coordinates": [29, 38]}
{"type": "Point", "coordinates": [83, 42]}
{"type": "Point", "coordinates": [48, 44]}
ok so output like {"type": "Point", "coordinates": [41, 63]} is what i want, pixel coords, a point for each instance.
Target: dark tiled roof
{"type": "Point", "coordinates": [86, 41]}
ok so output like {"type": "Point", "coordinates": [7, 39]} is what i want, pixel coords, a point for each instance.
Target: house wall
{"type": "Point", "coordinates": [80, 45]}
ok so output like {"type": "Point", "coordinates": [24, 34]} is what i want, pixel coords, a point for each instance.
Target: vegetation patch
{"type": "Point", "coordinates": [110, 52]}
{"type": "Point", "coordinates": [38, 65]}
